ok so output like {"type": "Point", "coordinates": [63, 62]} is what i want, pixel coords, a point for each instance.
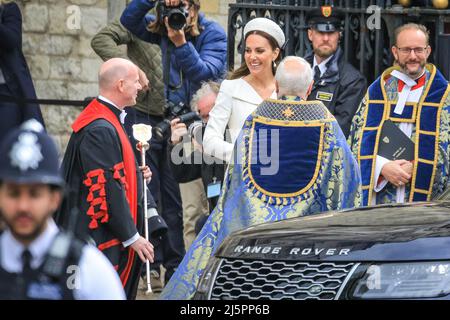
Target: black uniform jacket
{"type": "Point", "coordinates": [341, 88]}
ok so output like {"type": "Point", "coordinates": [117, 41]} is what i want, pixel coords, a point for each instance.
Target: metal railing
{"type": "Point", "coordinates": [367, 47]}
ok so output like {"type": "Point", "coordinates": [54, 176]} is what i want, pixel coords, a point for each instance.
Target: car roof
{"type": "Point", "coordinates": [382, 218]}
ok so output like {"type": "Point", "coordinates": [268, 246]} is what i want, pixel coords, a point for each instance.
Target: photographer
{"type": "Point", "coordinates": [190, 55]}
{"type": "Point", "coordinates": [192, 167]}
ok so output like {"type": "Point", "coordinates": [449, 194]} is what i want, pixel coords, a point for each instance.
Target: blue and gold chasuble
{"type": "Point", "coordinates": [291, 159]}
{"type": "Point", "coordinates": [431, 125]}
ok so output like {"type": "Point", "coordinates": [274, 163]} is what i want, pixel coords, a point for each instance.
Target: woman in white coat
{"type": "Point", "coordinates": [248, 86]}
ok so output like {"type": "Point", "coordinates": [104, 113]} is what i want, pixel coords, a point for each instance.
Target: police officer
{"type": "Point", "coordinates": [336, 83]}
{"type": "Point", "coordinates": [38, 261]}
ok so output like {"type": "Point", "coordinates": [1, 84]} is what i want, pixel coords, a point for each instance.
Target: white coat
{"type": "Point", "coordinates": [235, 102]}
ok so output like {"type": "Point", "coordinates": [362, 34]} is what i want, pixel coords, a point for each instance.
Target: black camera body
{"type": "Point", "coordinates": [176, 15]}
{"type": "Point", "coordinates": [181, 111]}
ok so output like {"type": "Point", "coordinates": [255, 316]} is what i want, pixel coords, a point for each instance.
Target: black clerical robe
{"type": "Point", "coordinates": [100, 170]}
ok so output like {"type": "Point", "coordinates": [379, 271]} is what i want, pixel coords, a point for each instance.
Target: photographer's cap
{"type": "Point", "coordinates": [325, 19]}
{"type": "Point", "coordinates": [268, 26]}
{"type": "Point", "coordinates": [29, 155]}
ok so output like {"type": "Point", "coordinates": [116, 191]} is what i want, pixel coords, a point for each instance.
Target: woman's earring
{"type": "Point", "coordinates": [274, 64]}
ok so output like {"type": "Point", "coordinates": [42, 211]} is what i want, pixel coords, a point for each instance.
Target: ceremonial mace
{"type": "Point", "coordinates": [143, 133]}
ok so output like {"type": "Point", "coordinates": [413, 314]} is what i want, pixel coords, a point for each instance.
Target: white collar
{"type": "Point", "coordinates": [123, 113]}
{"type": "Point", "coordinates": [11, 249]}
{"type": "Point", "coordinates": [109, 101]}
{"type": "Point", "coordinates": [323, 65]}
{"type": "Point", "coordinates": [406, 79]}
{"type": "Point", "coordinates": [249, 95]}
{"type": "Point", "coordinates": [404, 96]}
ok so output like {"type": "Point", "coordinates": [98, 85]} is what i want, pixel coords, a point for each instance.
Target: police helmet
{"type": "Point", "coordinates": [29, 155]}
{"type": "Point", "coordinates": [325, 19]}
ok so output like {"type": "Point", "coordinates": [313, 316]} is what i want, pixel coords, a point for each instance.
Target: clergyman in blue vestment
{"type": "Point", "coordinates": [291, 159]}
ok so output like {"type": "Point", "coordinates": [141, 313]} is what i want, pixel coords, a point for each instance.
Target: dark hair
{"type": "Point", "coordinates": [243, 70]}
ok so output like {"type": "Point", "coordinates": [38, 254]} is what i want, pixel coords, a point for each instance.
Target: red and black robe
{"type": "Point", "coordinates": [100, 170]}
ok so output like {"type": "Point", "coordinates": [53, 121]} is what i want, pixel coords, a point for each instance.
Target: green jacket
{"type": "Point", "coordinates": [106, 43]}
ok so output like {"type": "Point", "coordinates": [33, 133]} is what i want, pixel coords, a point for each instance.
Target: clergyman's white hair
{"type": "Point", "coordinates": [206, 88]}
{"type": "Point", "coordinates": [294, 81]}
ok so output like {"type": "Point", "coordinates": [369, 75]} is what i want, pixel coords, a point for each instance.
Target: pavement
{"type": "Point", "coordinates": [155, 283]}
{"type": "Point", "coordinates": [142, 295]}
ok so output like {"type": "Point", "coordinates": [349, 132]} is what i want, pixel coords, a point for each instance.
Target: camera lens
{"type": "Point", "coordinates": [176, 19]}
{"type": "Point", "coordinates": [196, 131]}
{"type": "Point", "coordinates": [161, 129]}
{"type": "Point", "coordinates": [187, 117]}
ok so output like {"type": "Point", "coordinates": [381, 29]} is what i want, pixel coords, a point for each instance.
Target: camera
{"type": "Point", "coordinates": [173, 111]}
{"type": "Point", "coordinates": [196, 130]}
{"type": "Point", "coordinates": [176, 16]}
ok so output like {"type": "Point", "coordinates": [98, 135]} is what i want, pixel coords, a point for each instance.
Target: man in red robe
{"type": "Point", "coordinates": [104, 180]}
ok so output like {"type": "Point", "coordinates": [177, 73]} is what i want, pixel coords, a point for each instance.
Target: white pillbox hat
{"type": "Point", "coordinates": [268, 26]}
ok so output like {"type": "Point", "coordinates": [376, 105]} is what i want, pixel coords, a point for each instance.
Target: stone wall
{"type": "Point", "coordinates": [56, 44]}
{"type": "Point", "coordinates": [57, 49]}
{"type": "Point", "coordinates": [217, 10]}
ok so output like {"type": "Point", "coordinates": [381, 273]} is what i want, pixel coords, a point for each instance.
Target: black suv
{"type": "Point", "coordinates": [381, 252]}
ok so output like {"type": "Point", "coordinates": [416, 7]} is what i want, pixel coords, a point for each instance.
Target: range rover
{"type": "Point", "coordinates": [399, 251]}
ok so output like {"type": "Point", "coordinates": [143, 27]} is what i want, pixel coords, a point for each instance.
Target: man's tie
{"type": "Point", "coordinates": [26, 262]}
{"type": "Point", "coordinates": [316, 74]}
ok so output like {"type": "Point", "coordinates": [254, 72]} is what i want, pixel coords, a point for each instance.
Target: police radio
{"type": "Point", "coordinates": [55, 263]}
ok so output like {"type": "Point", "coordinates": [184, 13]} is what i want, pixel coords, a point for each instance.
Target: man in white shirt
{"type": "Point", "coordinates": [413, 95]}
{"type": "Point", "coordinates": [37, 260]}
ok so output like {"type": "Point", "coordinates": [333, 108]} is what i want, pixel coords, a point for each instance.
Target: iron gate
{"type": "Point", "coordinates": [366, 40]}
